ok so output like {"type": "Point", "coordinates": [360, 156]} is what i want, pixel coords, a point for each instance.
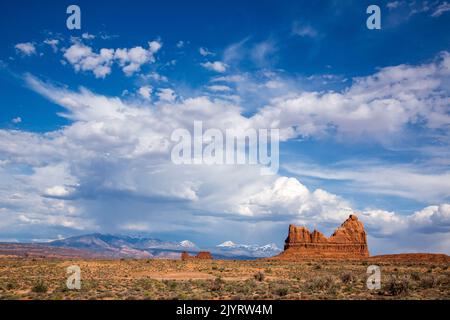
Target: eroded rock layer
{"type": "Point", "coordinates": [348, 241]}
{"type": "Point", "coordinates": [201, 255]}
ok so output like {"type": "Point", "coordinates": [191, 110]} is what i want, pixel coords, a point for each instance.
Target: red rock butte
{"type": "Point", "coordinates": [203, 255]}
{"type": "Point", "coordinates": [348, 241]}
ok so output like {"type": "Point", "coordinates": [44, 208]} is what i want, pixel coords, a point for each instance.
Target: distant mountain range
{"type": "Point", "coordinates": [233, 249]}
{"type": "Point", "coordinates": [118, 246]}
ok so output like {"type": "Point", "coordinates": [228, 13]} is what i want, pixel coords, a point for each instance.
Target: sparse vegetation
{"type": "Point", "coordinates": [40, 287]}
{"type": "Point", "coordinates": [219, 279]}
{"type": "Point", "coordinates": [348, 278]}
{"type": "Point", "coordinates": [259, 276]}
{"type": "Point", "coordinates": [397, 285]}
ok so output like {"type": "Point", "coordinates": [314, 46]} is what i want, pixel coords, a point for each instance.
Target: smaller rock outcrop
{"type": "Point", "coordinates": [202, 255]}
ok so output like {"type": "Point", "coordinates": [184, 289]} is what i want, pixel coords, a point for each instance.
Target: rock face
{"type": "Point", "coordinates": [348, 241]}
{"type": "Point", "coordinates": [202, 255]}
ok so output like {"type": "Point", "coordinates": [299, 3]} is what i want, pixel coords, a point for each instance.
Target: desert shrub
{"type": "Point", "coordinates": [259, 276]}
{"type": "Point", "coordinates": [397, 286]}
{"type": "Point", "coordinates": [415, 276]}
{"type": "Point", "coordinates": [281, 291]}
{"type": "Point", "coordinates": [173, 285]}
{"type": "Point", "coordinates": [320, 284]}
{"type": "Point", "coordinates": [40, 287]}
{"type": "Point", "coordinates": [347, 278]}
{"type": "Point", "coordinates": [10, 286]}
{"type": "Point", "coordinates": [317, 267]}
{"type": "Point", "coordinates": [217, 284]}
{"type": "Point", "coordinates": [429, 281]}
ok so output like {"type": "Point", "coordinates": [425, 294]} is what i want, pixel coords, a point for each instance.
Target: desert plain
{"type": "Point", "coordinates": [405, 277]}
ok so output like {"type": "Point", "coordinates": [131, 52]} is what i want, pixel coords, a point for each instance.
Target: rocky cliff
{"type": "Point", "coordinates": [348, 241]}
{"type": "Point", "coordinates": [202, 255]}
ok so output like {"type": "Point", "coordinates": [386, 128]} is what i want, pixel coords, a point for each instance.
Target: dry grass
{"type": "Point", "coordinates": [169, 279]}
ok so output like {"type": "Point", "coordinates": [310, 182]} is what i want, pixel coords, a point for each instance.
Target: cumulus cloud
{"type": "Point", "coordinates": [16, 120]}
{"type": "Point", "coordinates": [132, 59]}
{"type": "Point", "coordinates": [83, 58]}
{"type": "Point", "coordinates": [26, 48]}
{"type": "Point", "coordinates": [155, 77]}
{"type": "Point", "coordinates": [145, 92]}
{"type": "Point", "coordinates": [375, 107]}
{"type": "Point", "coordinates": [287, 196]}
{"type": "Point", "coordinates": [217, 66]}
{"type": "Point", "coordinates": [166, 94]}
{"type": "Point", "coordinates": [110, 166]}
{"type": "Point", "coordinates": [53, 43]}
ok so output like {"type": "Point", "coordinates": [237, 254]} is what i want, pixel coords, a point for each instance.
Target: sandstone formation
{"type": "Point", "coordinates": [202, 255]}
{"type": "Point", "coordinates": [347, 242]}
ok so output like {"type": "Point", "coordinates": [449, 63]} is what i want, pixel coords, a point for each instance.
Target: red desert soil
{"type": "Point", "coordinates": [405, 257]}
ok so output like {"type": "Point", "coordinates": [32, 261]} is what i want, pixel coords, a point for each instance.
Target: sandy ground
{"type": "Point", "coordinates": [32, 278]}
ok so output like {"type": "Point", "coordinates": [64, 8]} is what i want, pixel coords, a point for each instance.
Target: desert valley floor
{"type": "Point", "coordinates": [35, 278]}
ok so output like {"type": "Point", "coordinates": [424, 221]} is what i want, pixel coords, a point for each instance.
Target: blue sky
{"type": "Point", "coordinates": [86, 117]}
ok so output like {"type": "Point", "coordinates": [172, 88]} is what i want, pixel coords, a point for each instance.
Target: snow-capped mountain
{"type": "Point", "coordinates": [126, 246]}
{"type": "Point", "coordinates": [229, 248]}
{"type": "Point", "coordinates": [227, 244]}
{"type": "Point", "coordinates": [187, 244]}
{"type": "Point", "coordinates": [118, 246]}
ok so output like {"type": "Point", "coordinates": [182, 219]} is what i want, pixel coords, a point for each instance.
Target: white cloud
{"type": "Point", "coordinates": [145, 92]}
{"type": "Point", "coordinates": [273, 84]}
{"type": "Point", "coordinates": [394, 4]}
{"type": "Point", "coordinates": [219, 88]}
{"type": "Point", "coordinates": [154, 46]}
{"type": "Point", "coordinates": [231, 78]}
{"type": "Point", "coordinates": [57, 191]}
{"type": "Point", "coordinates": [287, 196]}
{"type": "Point", "coordinates": [87, 36]}
{"type": "Point", "coordinates": [262, 52]}
{"type": "Point", "coordinates": [155, 77]}
{"type": "Point", "coordinates": [441, 9]}
{"type": "Point", "coordinates": [304, 30]}
{"type": "Point", "coordinates": [205, 52]}
{"type": "Point", "coordinates": [83, 58]}
{"type": "Point", "coordinates": [26, 48]}
{"type": "Point", "coordinates": [16, 120]}
{"type": "Point", "coordinates": [132, 59]}
{"type": "Point", "coordinates": [113, 157]}
{"type": "Point", "coordinates": [53, 43]}
{"type": "Point", "coordinates": [375, 107]}
{"type": "Point", "coordinates": [414, 181]}
{"type": "Point", "coordinates": [166, 94]}
{"type": "Point", "coordinates": [216, 66]}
